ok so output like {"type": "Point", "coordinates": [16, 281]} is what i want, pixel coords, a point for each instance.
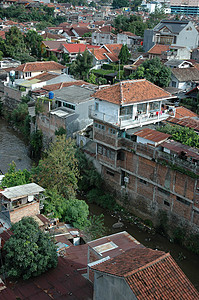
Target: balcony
{"type": "Point", "coordinates": [126, 121]}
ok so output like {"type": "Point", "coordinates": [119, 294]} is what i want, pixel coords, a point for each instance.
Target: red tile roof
{"type": "Point", "coordinates": [75, 48]}
{"type": "Point", "coordinates": [158, 49]}
{"type": "Point", "coordinates": [131, 91]}
{"type": "Point", "coordinates": [39, 66]}
{"type": "Point", "coordinates": [151, 275]}
{"type": "Point", "coordinates": [152, 135]}
{"type": "Point", "coordinates": [182, 112]}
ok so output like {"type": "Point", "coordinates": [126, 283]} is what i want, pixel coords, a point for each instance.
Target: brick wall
{"type": "Point", "coordinates": [29, 210]}
{"type": "Point", "coordinates": [153, 186]}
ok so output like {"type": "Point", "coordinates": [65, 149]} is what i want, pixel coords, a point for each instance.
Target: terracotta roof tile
{"type": "Point", "coordinates": [131, 91]}
{"type": "Point", "coordinates": [158, 49]}
{"type": "Point", "coordinates": [150, 274]}
{"type": "Point", "coordinates": [75, 48]}
{"type": "Point", "coordinates": [162, 280]}
{"type": "Point", "coordinates": [39, 66]}
{"type": "Point", "coordinates": [182, 112]}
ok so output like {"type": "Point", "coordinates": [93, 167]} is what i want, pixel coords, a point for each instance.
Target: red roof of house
{"type": "Point", "coordinates": [182, 112]}
{"type": "Point", "coordinates": [75, 48]}
{"type": "Point", "coordinates": [158, 49]}
{"type": "Point", "coordinates": [63, 282]}
{"type": "Point", "coordinates": [131, 91]}
{"type": "Point", "coordinates": [39, 66]}
{"type": "Point", "coordinates": [152, 135]}
{"type": "Point", "coordinates": [150, 274]}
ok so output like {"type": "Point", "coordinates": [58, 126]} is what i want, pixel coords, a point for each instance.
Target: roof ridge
{"type": "Point", "coordinates": [147, 265]}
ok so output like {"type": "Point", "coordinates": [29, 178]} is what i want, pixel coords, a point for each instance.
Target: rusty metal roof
{"type": "Point", "coordinates": [152, 135]}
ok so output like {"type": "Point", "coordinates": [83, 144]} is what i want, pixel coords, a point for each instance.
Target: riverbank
{"type": "Point", "coordinates": [188, 262]}
{"type": "Point", "coordinates": [14, 148]}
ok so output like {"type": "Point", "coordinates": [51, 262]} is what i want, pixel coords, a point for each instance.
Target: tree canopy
{"type": "Point", "coordinates": [120, 3]}
{"type": "Point", "coordinates": [154, 71]}
{"type": "Point", "coordinates": [124, 54]}
{"type": "Point", "coordinates": [29, 251]}
{"type": "Point", "coordinates": [183, 135]}
{"type": "Point", "coordinates": [81, 66]}
{"type": "Point", "coordinates": [59, 169]}
{"type": "Point", "coordinates": [14, 177]}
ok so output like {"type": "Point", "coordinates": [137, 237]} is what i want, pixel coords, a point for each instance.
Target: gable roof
{"type": "Point", "coordinates": [174, 26]}
{"type": "Point", "coordinates": [150, 274]}
{"type": "Point", "coordinates": [186, 74]}
{"type": "Point", "coordinates": [158, 49]}
{"type": "Point", "coordinates": [182, 112]}
{"type": "Point", "coordinates": [152, 135]}
{"type": "Point", "coordinates": [39, 66]}
{"type": "Point", "coordinates": [131, 91]}
{"type": "Point", "coordinates": [75, 48]}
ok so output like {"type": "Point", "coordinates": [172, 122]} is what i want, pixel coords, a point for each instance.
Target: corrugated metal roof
{"type": "Point", "coordinates": [152, 135]}
{"type": "Point", "coordinates": [19, 191]}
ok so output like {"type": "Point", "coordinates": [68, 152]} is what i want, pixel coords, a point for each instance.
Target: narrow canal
{"type": "Point", "coordinates": [13, 148]}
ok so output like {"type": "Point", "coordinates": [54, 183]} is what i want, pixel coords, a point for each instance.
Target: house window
{"type": "Point", "coordinates": [143, 181]}
{"type": "Point", "coordinates": [112, 131]}
{"type": "Point", "coordinates": [183, 201]}
{"type": "Point", "coordinates": [96, 106]}
{"type": "Point", "coordinates": [142, 108]}
{"type": "Point", "coordinates": [28, 74]}
{"type": "Point", "coordinates": [163, 191]}
{"type": "Point", "coordinates": [68, 105]}
{"type": "Point", "coordinates": [166, 203]}
{"type": "Point", "coordinates": [109, 172]}
{"type": "Point", "coordinates": [173, 83]}
{"type": "Point", "coordinates": [100, 126]}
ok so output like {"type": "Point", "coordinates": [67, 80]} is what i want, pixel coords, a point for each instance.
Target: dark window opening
{"type": "Point", "coordinates": [143, 181]}
{"type": "Point", "coordinates": [166, 203]}
{"type": "Point", "coordinates": [111, 173]}
{"type": "Point", "coordinates": [183, 201]}
{"type": "Point", "coordinates": [120, 155]}
{"type": "Point", "coordinates": [163, 191]}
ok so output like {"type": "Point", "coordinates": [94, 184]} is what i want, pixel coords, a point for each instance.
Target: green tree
{"type": "Point", "coordinates": [183, 135]}
{"type": "Point", "coordinates": [154, 71]}
{"type": "Point", "coordinates": [156, 17]}
{"type": "Point", "coordinates": [36, 143]}
{"type": "Point", "coordinates": [60, 131]}
{"type": "Point", "coordinates": [81, 66]}
{"type": "Point", "coordinates": [59, 169]}
{"type": "Point", "coordinates": [14, 41]}
{"type": "Point", "coordinates": [92, 78]}
{"type": "Point", "coordinates": [76, 213]}
{"type": "Point", "coordinates": [29, 251]}
{"type": "Point", "coordinates": [120, 3]}
{"type": "Point", "coordinates": [95, 228]}
{"type": "Point", "coordinates": [14, 177]}
{"type": "Point", "coordinates": [33, 43]}
{"type": "Point", "coordinates": [124, 54]}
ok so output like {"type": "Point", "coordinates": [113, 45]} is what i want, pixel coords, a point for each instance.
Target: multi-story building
{"type": "Point", "coordinates": [132, 158]}
{"type": "Point", "coordinates": [185, 7]}
{"type": "Point", "coordinates": [171, 32]}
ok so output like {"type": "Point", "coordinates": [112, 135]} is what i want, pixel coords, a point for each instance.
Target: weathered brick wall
{"type": "Point", "coordinates": [29, 210]}
{"type": "Point", "coordinates": [153, 186]}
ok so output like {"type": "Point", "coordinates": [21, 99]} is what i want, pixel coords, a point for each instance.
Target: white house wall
{"type": "Point", "coordinates": [111, 110]}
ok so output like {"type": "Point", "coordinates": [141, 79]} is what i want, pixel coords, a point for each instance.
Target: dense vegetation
{"type": "Point", "coordinates": [29, 251]}
{"type": "Point", "coordinates": [154, 71]}
{"type": "Point", "coordinates": [183, 135]}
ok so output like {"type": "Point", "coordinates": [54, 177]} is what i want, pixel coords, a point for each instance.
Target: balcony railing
{"type": "Point", "coordinates": [126, 121]}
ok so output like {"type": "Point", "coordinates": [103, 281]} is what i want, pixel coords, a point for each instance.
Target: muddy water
{"type": "Point", "coordinates": [187, 261]}
{"type": "Point", "coordinates": [14, 148]}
